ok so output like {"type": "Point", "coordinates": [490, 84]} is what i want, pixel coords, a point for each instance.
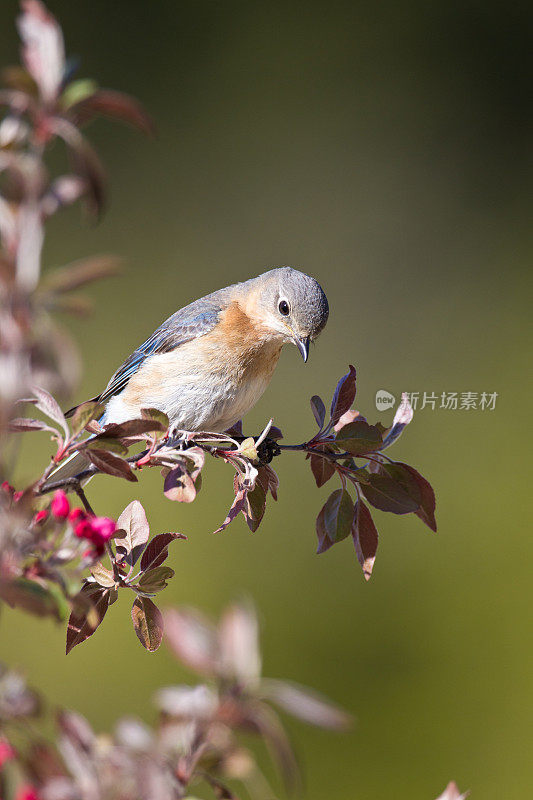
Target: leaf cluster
{"type": "Point", "coordinates": [197, 736]}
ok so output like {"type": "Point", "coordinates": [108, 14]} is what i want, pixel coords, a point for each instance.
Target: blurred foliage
{"type": "Point", "coordinates": [386, 150]}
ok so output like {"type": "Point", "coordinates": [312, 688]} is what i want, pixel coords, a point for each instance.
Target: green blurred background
{"type": "Point", "coordinates": [385, 149]}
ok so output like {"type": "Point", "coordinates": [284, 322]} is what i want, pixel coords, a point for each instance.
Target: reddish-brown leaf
{"type": "Point", "coordinates": [255, 505]}
{"type": "Point", "coordinates": [133, 427]}
{"type": "Point", "coordinates": [108, 103]}
{"type": "Point", "coordinates": [426, 512]}
{"type": "Point", "coordinates": [147, 623]}
{"type": "Point", "coordinates": [111, 464]}
{"type": "Point", "coordinates": [358, 438]}
{"type": "Point", "coordinates": [391, 489]}
{"type": "Point", "coordinates": [365, 538]}
{"type": "Point", "coordinates": [323, 469]}
{"type": "Point", "coordinates": [90, 608]}
{"type": "Point", "coordinates": [49, 406]}
{"type": "Point", "coordinates": [268, 479]}
{"type": "Point", "coordinates": [85, 161]}
{"type": "Point", "coordinates": [338, 515]}
{"type": "Point", "coordinates": [21, 424]}
{"type": "Point", "coordinates": [157, 550]}
{"type": "Point", "coordinates": [319, 410]}
{"type": "Point", "coordinates": [238, 505]}
{"type": "Point", "coordinates": [324, 542]}
{"type": "Point", "coordinates": [344, 395]}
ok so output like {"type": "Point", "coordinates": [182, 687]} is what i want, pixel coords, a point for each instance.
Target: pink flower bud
{"type": "Point", "coordinates": [40, 516]}
{"type": "Point", "coordinates": [75, 515]}
{"type": "Point", "coordinates": [60, 505]}
{"type": "Point", "coordinates": [83, 529]}
{"type": "Point", "coordinates": [17, 496]}
{"type": "Point", "coordinates": [103, 528]}
{"type": "Point", "coordinates": [6, 752]}
{"type": "Point", "coordinates": [27, 792]}
{"type": "Point", "coordinates": [7, 488]}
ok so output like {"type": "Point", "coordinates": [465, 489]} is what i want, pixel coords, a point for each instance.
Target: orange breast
{"type": "Point", "coordinates": [251, 347]}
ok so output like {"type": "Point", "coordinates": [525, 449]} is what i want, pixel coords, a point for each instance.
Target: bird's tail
{"type": "Point", "coordinates": [71, 468]}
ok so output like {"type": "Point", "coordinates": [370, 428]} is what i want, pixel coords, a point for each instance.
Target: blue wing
{"type": "Point", "coordinates": [188, 323]}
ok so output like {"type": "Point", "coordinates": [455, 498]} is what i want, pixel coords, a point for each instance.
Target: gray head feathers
{"type": "Point", "coordinates": [296, 298]}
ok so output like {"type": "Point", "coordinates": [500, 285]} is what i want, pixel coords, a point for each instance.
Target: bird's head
{"type": "Point", "coordinates": [293, 306]}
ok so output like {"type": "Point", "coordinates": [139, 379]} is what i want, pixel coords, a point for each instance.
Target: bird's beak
{"type": "Point", "coordinates": [303, 343]}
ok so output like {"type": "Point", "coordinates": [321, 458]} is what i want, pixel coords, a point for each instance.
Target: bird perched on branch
{"type": "Point", "coordinates": [209, 363]}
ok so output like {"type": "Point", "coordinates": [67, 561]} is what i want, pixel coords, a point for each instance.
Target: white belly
{"type": "Point", "coordinates": [194, 396]}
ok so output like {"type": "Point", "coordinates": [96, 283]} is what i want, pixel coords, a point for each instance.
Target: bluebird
{"type": "Point", "coordinates": [209, 363]}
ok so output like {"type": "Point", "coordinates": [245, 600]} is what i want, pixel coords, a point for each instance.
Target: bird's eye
{"type": "Point", "coordinates": [284, 308]}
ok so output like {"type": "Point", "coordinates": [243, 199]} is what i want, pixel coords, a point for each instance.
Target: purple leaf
{"type": "Point", "coordinates": [391, 489]}
{"type": "Point", "coordinates": [322, 468]}
{"type": "Point", "coordinates": [236, 430]}
{"type": "Point", "coordinates": [319, 410]}
{"type": "Point", "coordinates": [238, 505]}
{"type": "Point", "coordinates": [27, 424]}
{"type": "Point", "coordinates": [147, 623]}
{"type": "Point", "coordinates": [50, 407]}
{"type": "Point", "coordinates": [343, 396]}
{"type": "Point", "coordinates": [275, 433]}
{"type": "Point", "coordinates": [157, 550]}
{"type": "Point", "coordinates": [426, 512]}
{"type": "Point", "coordinates": [90, 607]}
{"type": "Point", "coordinates": [365, 538]}
{"type": "Point", "coordinates": [133, 427]}
{"type": "Point", "coordinates": [338, 515]}
{"type": "Point", "coordinates": [324, 542]}
{"type": "Point", "coordinates": [110, 464]}
{"type": "Point", "coordinates": [358, 438]}
{"type": "Point", "coordinates": [109, 103]}
{"type": "Point", "coordinates": [179, 485]}
{"type": "Point", "coordinates": [268, 479]}
{"type": "Point", "coordinates": [134, 523]}
{"type": "Point", "coordinates": [85, 162]}
{"type": "Point", "coordinates": [255, 505]}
